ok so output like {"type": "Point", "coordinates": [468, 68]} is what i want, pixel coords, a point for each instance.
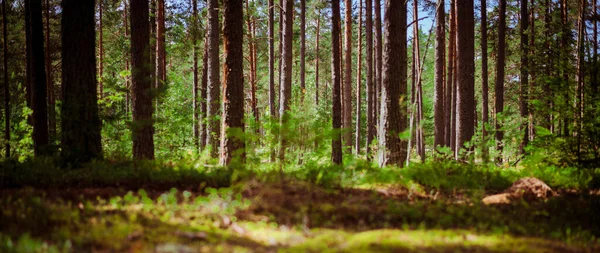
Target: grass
{"type": "Point", "coordinates": [118, 206]}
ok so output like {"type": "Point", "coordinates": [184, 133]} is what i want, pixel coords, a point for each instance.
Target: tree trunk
{"type": "Point", "coordinates": [440, 47]}
{"type": "Point", "coordinates": [465, 44]}
{"type": "Point", "coordinates": [358, 81]}
{"type": "Point", "coordinates": [393, 110]}
{"type": "Point", "coordinates": [214, 88]}
{"type": "Point", "coordinates": [50, 81]}
{"type": "Point", "coordinates": [595, 54]}
{"type": "Point", "coordinates": [143, 126]}
{"type": "Point", "coordinates": [37, 77]}
{"type": "Point", "coordinates": [336, 146]}
{"type": "Point", "coordinates": [203, 96]}
{"type": "Point", "coordinates": [532, 72]}
{"type": "Point", "coordinates": [524, 76]}
{"type": "Point", "coordinates": [302, 49]}
{"type": "Point", "coordinates": [286, 77]}
{"type": "Point", "coordinates": [80, 124]}
{"type": "Point", "coordinates": [378, 61]}
{"type": "Point", "coordinates": [448, 119]}
{"type": "Point", "coordinates": [161, 63]}
{"type": "Point", "coordinates": [272, 111]}
{"type": "Point", "coordinates": [499, 89]}
{"type": "Point", "coordinates": [101, 48]}
{"type": "Point", "coordinates": [127, 55]}
{"type": "Point", "coordinates": [232, 144]}
{"type": "Point", "coordinates": [566, 31]}
{"type": "Point", "coordinates": [580, 76]}
{"type": "Point", "coordinates": [252, 64]}
{"type": "Point", "coordinates": [484, 81]}
{"type": "Point", "coordinates": [317, 59]}
{"type": "Point", "coordinates": [370, 86]}
{"type": "Point", "coordinates": [6, 85]}
{"type": "Point", "coordinates": [195, 90]}
{"type": "Point", "coordinates": [420, 141]}
{"type": "Point", "coordinates": [549, 59]}
{"type": "Point", "coordinates": [347, 117]}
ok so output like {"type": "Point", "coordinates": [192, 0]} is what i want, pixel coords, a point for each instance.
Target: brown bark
{"type": "Point", "coordinates": [564, 45]}
{"type": "Point", "coordinates": [195, 89]}
{"type": "Point", "coordinates": [440, 54]}
{"type": "Point", "coordinates": [232, 143]}
{"type": "Point", "coordinates": [161, 63]}
{"type": "Point", "coordinates": [580, 75]}
{"type": "Point", "coordinates": [37, 77]}
{"type": "Point", "coordinates": [378, 60]}
{"type": "Point", "coordinates": [49, 80]}
{"type": "Point", "coordinates": [143, 125]}
{"type": "Point", "coordinates": [499, 86]}
{"type": "Point", "coordinates": [524, 75]}
{"type": "Point", "coordinates": [465, 44]}
{"type": "Point", "coordinates": [127, 86]}
{"type": "Point", "coordinates": [393, 110]}
{"type": "Point", "coordinates": [272, 110]}
{"type": "Point", "coordinates": [203, 96]}
{"type": "Point", "coordinates": [6, 84]}
{"type": "Point", "coordinates": [80, 124]}
{"type": "Point", "coordinates": [101, 48]}
{"type": "Point", "coordinates": [420, 140]}
{"type": "Point", "coordinates": [286, 77]}
{"type": "Point", "coordinates": [448, 119]}
{"type": "Point", "coordinates": [358, 81]}
{"type": "Point", "coordinates": [370, 86]}
{"type": "Point", "coordinates": [317, 59]}
{"type": "Point", "coordinates": [484, 80]}
{"type": "Point", "coordinates": [547, 90]}
{"type": "Point", "coordinates": [213, 101]}
{"type": "Point", "coordinates": [302, 49]}
{"type": "Point", "coordinates": [336, 145]}
{"type": "Point", "coordinates": [347, 87]}
{"type": "Point", "coordinates": [252, 65]}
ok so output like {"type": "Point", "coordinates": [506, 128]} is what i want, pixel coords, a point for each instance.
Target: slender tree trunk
{"type": "Point", "coordinates": [484, 80]}
{"type": "Point", "coordinates": [378, 60]}
{"type": "Point", "coordinates": [419, 89]}
{"type": "Point", "coordinates": [38, 78]}
{"type": "Point", "coordinates": [347, 91]}
{"type": "Point", "coordinates": [448, 119]}
{"type": "Point", "coordinates": [127, 86]}
{"type": "Point", "coordinates": [358, 81]}
{"type": "Point", "coordinates": [370, 86]}
{"type": "Point", "coordinates": [143, 130]}
{"type": "Point", "coordinates": [317, 58]}
{"type": "Point", "coordinates": [532, 72]}
{"type": "Point", "coordinates": [252, 64]}
{"type": "Point", "coordinates": [580, 75]}
{"type": "Point", "coordinates": [548, 51]}
{"type": "Point", "coordinates": [302, 49]}
{"type": "Point", "coordinates": [286, 78]}
{"type": "Point", "coordinates": [595, 54]}
{"type": "Point", "coordinates": [232, 145]}
{"type": "Point", "coordinates": [336, 146]}
{"type": "Point", "coordinates": [440, 54]}
{"type": "Point", "coordinates": [213, 100]}
{"type": "Point", "coordinates": [161, 63]}
{"type": "Point", "coordinates": [50, 81]}
{"type": "Point", "coordinates": [280, 52]}
{"type": "Point", "coordinates": [566, 30]}
{"type": "Point", "coordinates": [499, 87]}
{"type": "Point", "coordinates": [524, 76]}
{"type": "Point", "coordinates": [195, 90]}
{"type": "Point", "coordinates": [272, 110]}
{"type": "Point", "coordinates": [6, 85]}
{"type": "Point", "coordinates": [203, 96]}
{"type": "Point", "coordinates": [393, 113]}
{"type": "Point", "coordinates": [80, 124]}
{"type": "Point", "coordinates": [101, 48]}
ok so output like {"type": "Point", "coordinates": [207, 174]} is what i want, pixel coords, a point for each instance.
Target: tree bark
{"type": "Point", "coordinates": [272, 110]}
{"type": "Point", "coordinates": [358, 81]}
{"type": "Point", "coordinates": [564, 44]}
{"type": "Point", "coordinates": [161, 63]}
{"type": "Point", "coordinates": [213, 101]}
{"type": "Point", "coordinates": [595, 54]}
{"type": "Point", "coordinates": [484, 80]}
{"type": "Point", "coordinates": [143, 125]}
{"type": "Point", "coordinates": [449, 118]}
{"type": "Point", "coordinates": [127, 86]}
{"type": "Point", "coordinates": [6, 84]}
{"type": "Point", "coordinates": [317, 58]}
{"type": "Point", "coordinates": [499, 86]}
{"type": "Point", "coordinates": [370, 86]}
{"type": "Point", "coordinates": [440, 54]}
{"type": "Point", "coordinates": [286, 77]}
{"type": "Point", "coordinates": [579, 106]}
{"type": "Point", "coordinates": [465, 44]}
{"type": "Point", "coordinates": [336, 146]}
{"type": "Point", "coordinates": [302, 49]}
{"type": "Point", "coordinates": [203, 96]}
{"type": "Point", "coordinates": [347, 91]}
{"type": "Point", "coordinates": [252, 65]}
{"type": "Point", "coordinates": [37, 77]}
{"type": "Point", "coordinates": [524, 75]}
{"type": "Point", "coordinates": [80, 123]}
{"type": "Point", "coordinates": [195, 89]}
{"type": "Point", "coordinates": [50, 81]}
{"type": "Point", "coordinates": [232, 143]}
{"type": "Point", "coordinates": [393, 109]}
{"type": "Point", "coordinates": [101, 48]}
{"type": "Point", "coordinates": [378, 61]}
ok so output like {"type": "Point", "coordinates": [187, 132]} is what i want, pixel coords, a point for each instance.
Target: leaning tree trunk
{"type": "Point", "coordinates": [143, 127]}
{"type": "Point", "coordinates": [213, 101]}
{"type": "Point", "coordinates": [499, 87]}
{"type": "Point", "coordinates": [80, 124]}
{"type": "Point", "coordinates": [347, 91]}
{"type": "Point", "coordinates": [393, 110]}
{"type": "Point", "coordinates": [232, 144]}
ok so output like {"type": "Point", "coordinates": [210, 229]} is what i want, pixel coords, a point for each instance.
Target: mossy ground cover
{"type": "Point", "coordinates": [183, 207]}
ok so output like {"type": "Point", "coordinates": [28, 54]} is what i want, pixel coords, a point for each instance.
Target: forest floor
{"type": "Point", "coordinates": [262, 214]}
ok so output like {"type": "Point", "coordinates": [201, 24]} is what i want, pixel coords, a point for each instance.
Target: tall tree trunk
{"type": "Point", "coordinates": [195, 89]}
{"type": "Point", "coordinates": [6, 85]}
{"type": "Point", "coordinates": [213, 101]}
{"type": "Point", "coordinates": [143, 127]}
{"type": "Point", "coordinates": [347, 91]}
{"type": "Point", "coordinates": [50, 81]}
{"type": "Point", "coordinates": [101, 48]}
{"type": "Point", "coordinates": [38, 77]}
{"type": "Point", "coordinates": [280, 52]}
{"type": "Point", "coordinates": [484, 81]}
{"type": "Point", "coordinates": [272, 110]}
{"type": "Point", "coordinates": [595, 54]}
{"type": "Point", "coordinates": [252, 65]}
{"type": "Point", "coordinates": [370, 86]}
{"type": "Point", "coordinates": [499, 87]}
{"type": "Point", "coordinates": [393, 110]}
{"type": "Point", "coordinates": [80, 124]}
{"type": "Point", "coordinates": [465, 44]}
{"type": "Point", "coordinates": [378, 60]}
{"type": "Point", "coordinates": [302, 49]}
{"type": "Point", "coordinates": [448, 119]}
{"type": "Point", "coordinates": [580, 75]}
{"type": "Point", "coordinates": [317, 58]}
{"type": "Point", "coordinates": [203, 96]}
{"type": "Point", "coordinates": [161, 64]}
{"type": "Point", "coordinates": [549, 60]}
{"type": "Point", "coordinates": [420, 144]}
{"type": "Point", "coordinates": [336, 146]}
{"type": "Point", "coordinates": [127, 86]}
{"type": "Point", "coordinates": [532, 72]}
{"type": "Point", "coordinates": [440, 54]}
{"type": "Point", "coordinates": [358, 81]}
{"type": "Point", "coordinates": [286, 78]}
{"type": "Point", "coordinates": [232, 145]}
{"type": "Point", "coordinates": [524, 76]}
{"type": "Point", "coordinates": [564, 45]}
